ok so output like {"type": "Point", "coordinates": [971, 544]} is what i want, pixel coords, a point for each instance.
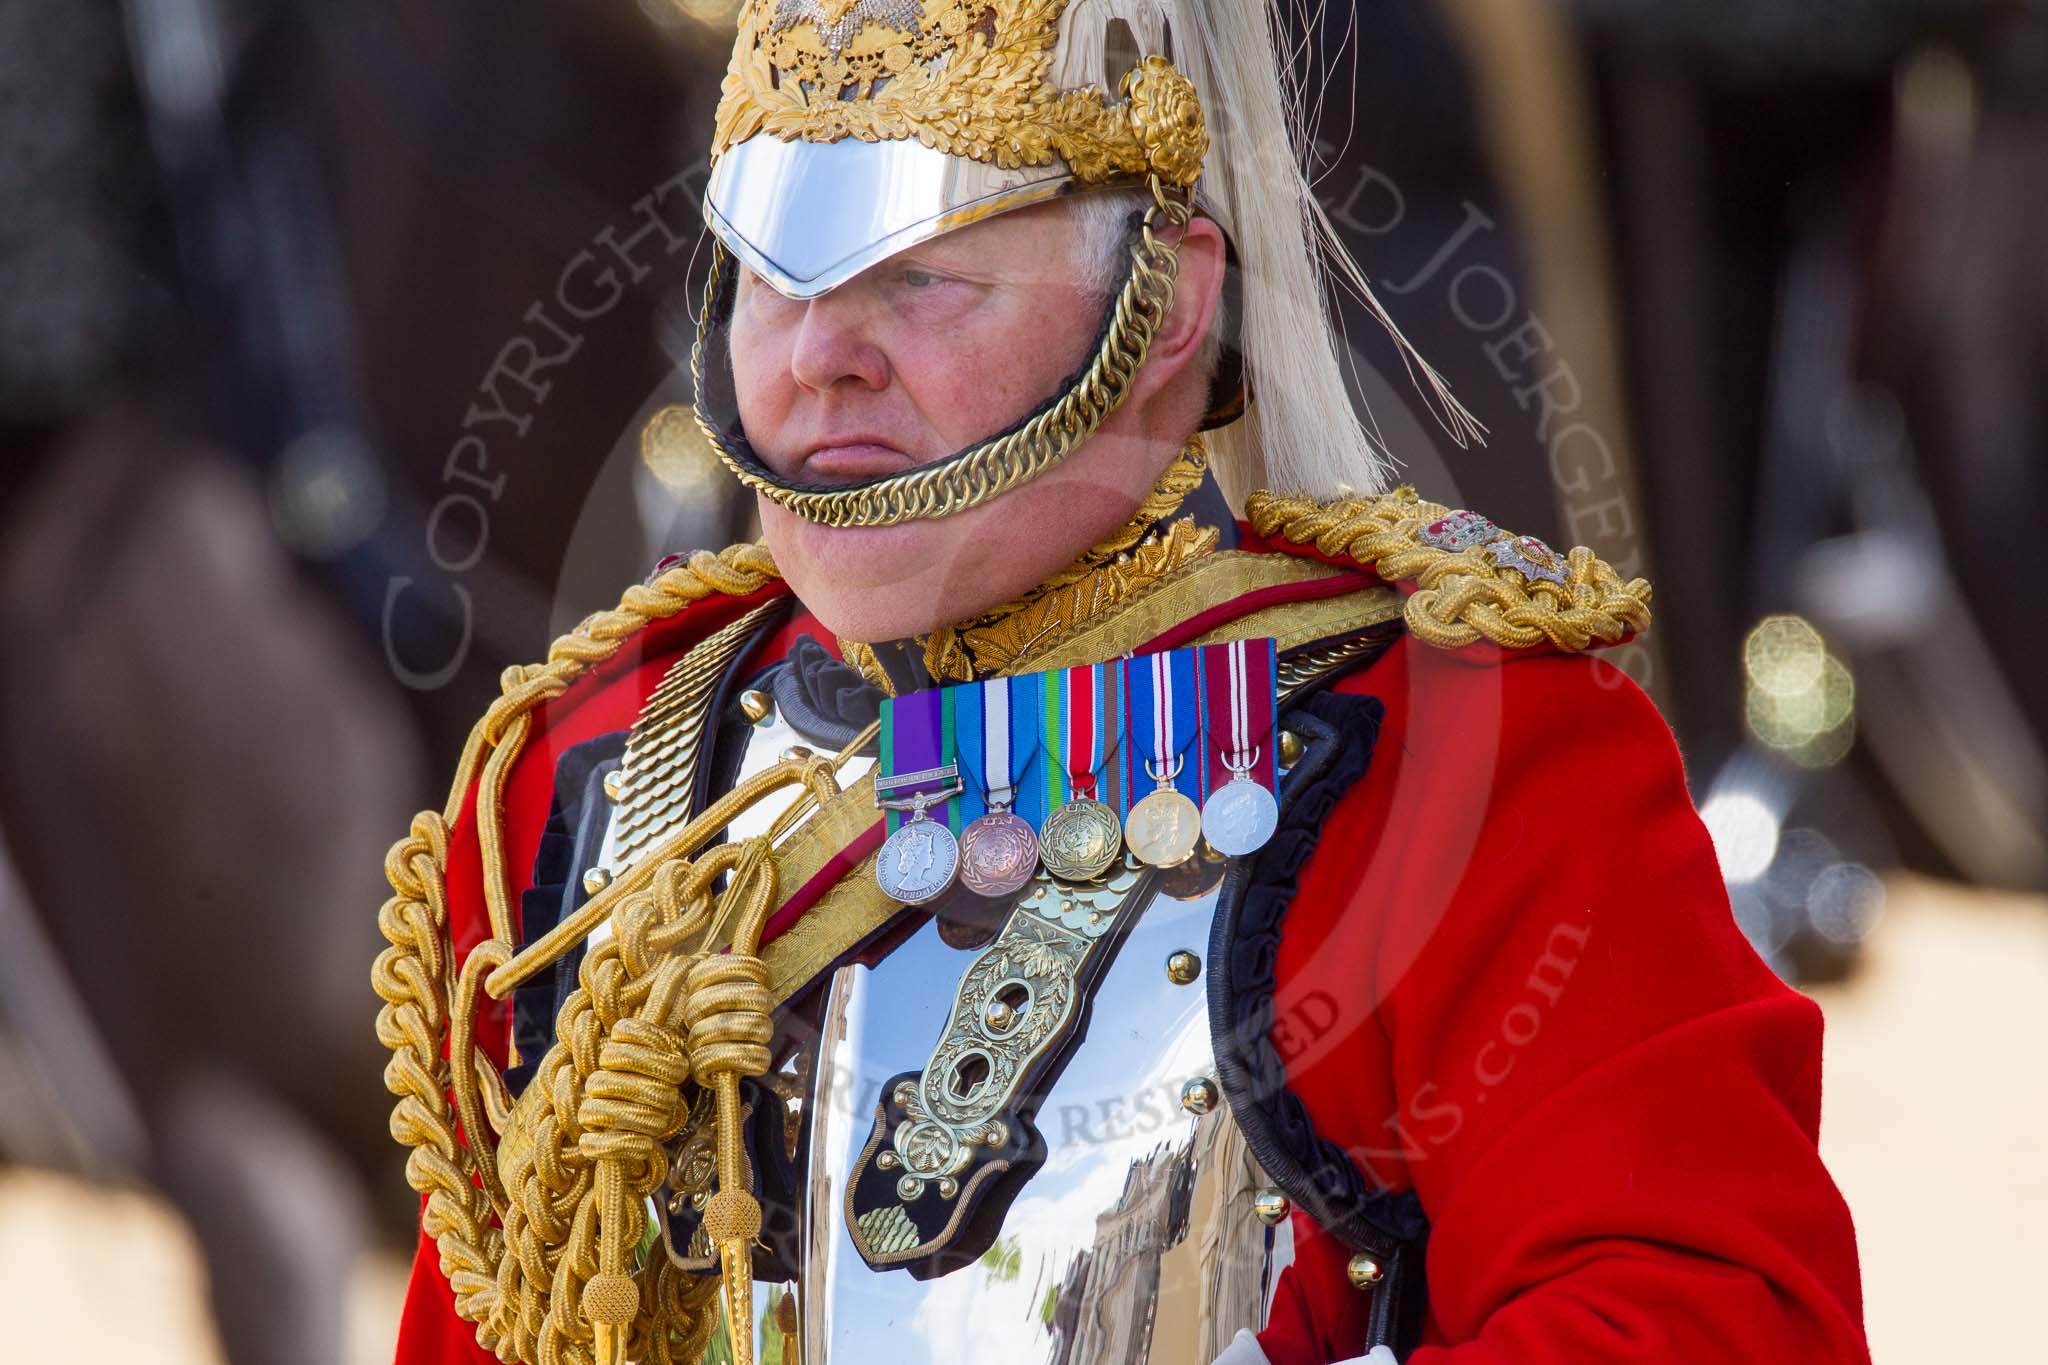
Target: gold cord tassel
{"type": "Point", "coordinates": [540, 1209]}
{"type": "Point", "coordinates": [729, 1026]}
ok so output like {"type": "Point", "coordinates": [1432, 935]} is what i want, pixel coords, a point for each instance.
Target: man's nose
{"type": "Point", "coordinates": [834, 345]}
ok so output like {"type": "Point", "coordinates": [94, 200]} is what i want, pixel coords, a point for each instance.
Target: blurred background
{"type": "Point", "coordinates": [328, 337]}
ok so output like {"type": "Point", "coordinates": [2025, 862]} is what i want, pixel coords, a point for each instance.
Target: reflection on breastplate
{"type": "Point", "coordinates": [1128, 1238]}
{"type": "Point", "coordinates": [951, 1145]}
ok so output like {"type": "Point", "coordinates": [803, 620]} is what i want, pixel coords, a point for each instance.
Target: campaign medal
{"type": "Point", "coordinates": [999, 850]}
{"type": "Point", "coordinates": [920, 858]}
{"type": "Point", "coordinates": [918, 862]}
{"type": "Point", "coordinates": [1081, 838]}
{"type": "Point", "coordinates": [1240, 814]}
{"type": "Point", "coordinates": [1164, 826]}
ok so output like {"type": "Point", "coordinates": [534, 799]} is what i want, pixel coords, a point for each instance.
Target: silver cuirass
{"type": "Point", "coordinates": [1135, 1235]}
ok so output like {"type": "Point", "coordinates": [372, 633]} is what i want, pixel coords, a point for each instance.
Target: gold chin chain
{"type": "Point", "coordinates": [989, 470]}
{"type": "Point", "coordinates": [1140, 553]}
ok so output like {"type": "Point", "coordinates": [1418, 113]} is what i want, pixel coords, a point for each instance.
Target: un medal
{"type": "Point", "coordinates": [998, 854]}
{"type": "Point", "coordinates": [1239, 817]}
{"type": "Point", "coordinates": [917, 862]}
{"type": "Point", "coordinates": [1163, 828]}
{"type": "Point", "coordinates": [1080, 841]}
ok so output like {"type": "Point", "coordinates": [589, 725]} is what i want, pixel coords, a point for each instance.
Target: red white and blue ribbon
{"type": "Point", "coordinates": [1164, 711]}
{"type": "Point", "coordinates": [1084, 727]}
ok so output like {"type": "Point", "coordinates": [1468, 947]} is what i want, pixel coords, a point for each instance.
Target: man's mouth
{"type": "Point", "coordinates": [853, 458]}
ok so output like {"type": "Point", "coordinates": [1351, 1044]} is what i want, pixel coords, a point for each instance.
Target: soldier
{"type": "Point", "coordinates": [1023, 911]}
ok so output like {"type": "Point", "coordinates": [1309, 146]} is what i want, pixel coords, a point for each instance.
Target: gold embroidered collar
{"type": "Point", "coordinates": [1147, 550]}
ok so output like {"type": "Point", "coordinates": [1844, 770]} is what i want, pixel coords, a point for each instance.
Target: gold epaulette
{"type": "Point", "coordinates": [1472, 581]}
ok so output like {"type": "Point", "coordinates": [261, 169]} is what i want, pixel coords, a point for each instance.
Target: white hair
{"type": "Point", "coordinates": [1302, 433]}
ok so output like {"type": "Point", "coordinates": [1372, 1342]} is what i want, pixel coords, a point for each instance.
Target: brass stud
{"type": "Point", "coordinates": [1291, 748]}
{"type": "Point", "coordinates": [1183, 967]}
{"type": "Point", "coordinates": [1199, 1096]}
{"type": "Point", "coordinates": [1271, 1207]}
{"type": "Point", "coordinates": [1363, 1271]}
{"type": "Point", "coordinates": [615, 785]}
{"type": "Point", "coordinates": [757, 706]}
{"type": "Point", "coordinates": [1001, 1016]}
{"type": "Point", "coordinates": [596, 880]}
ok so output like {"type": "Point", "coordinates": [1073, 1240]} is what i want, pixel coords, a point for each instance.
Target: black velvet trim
{"type": "Point", "coordinates": [822, 697]}
{"type": "Point", "coordinates": [1211, 511]}
{"type": "Point", "coordinates": [1314, 1172]}
{"type": "Point", "coordinates": [556, 891]}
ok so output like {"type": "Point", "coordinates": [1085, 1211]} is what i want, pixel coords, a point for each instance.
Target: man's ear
{"type": "Point", "coordinates": [1197, 294]}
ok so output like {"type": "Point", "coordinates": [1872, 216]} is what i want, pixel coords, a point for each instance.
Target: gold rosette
{"type": "Point", "coordinates": [1166, 115]}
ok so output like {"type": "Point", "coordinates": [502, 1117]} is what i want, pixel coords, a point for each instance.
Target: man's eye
{"type": "Point", "coordinates": [920, 279]}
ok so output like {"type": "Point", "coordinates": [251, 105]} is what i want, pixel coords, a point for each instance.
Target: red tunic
{"type": "Point", "coordinates": [1511, 982]}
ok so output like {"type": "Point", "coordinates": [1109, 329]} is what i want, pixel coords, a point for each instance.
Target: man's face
{"type": "Point", "coordinates": [933, 350]}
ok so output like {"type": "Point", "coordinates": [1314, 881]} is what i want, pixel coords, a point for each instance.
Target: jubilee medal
{"type": "Point", "coordinates": [1240, 814]}
{"type": "Point", "coordinates": [1164, 826]}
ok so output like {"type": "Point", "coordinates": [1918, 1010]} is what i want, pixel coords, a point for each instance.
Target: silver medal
{"type": "Point", "coordinates": [1239, 817]}
{"type": "Point", "coordinates": [918, 862]}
